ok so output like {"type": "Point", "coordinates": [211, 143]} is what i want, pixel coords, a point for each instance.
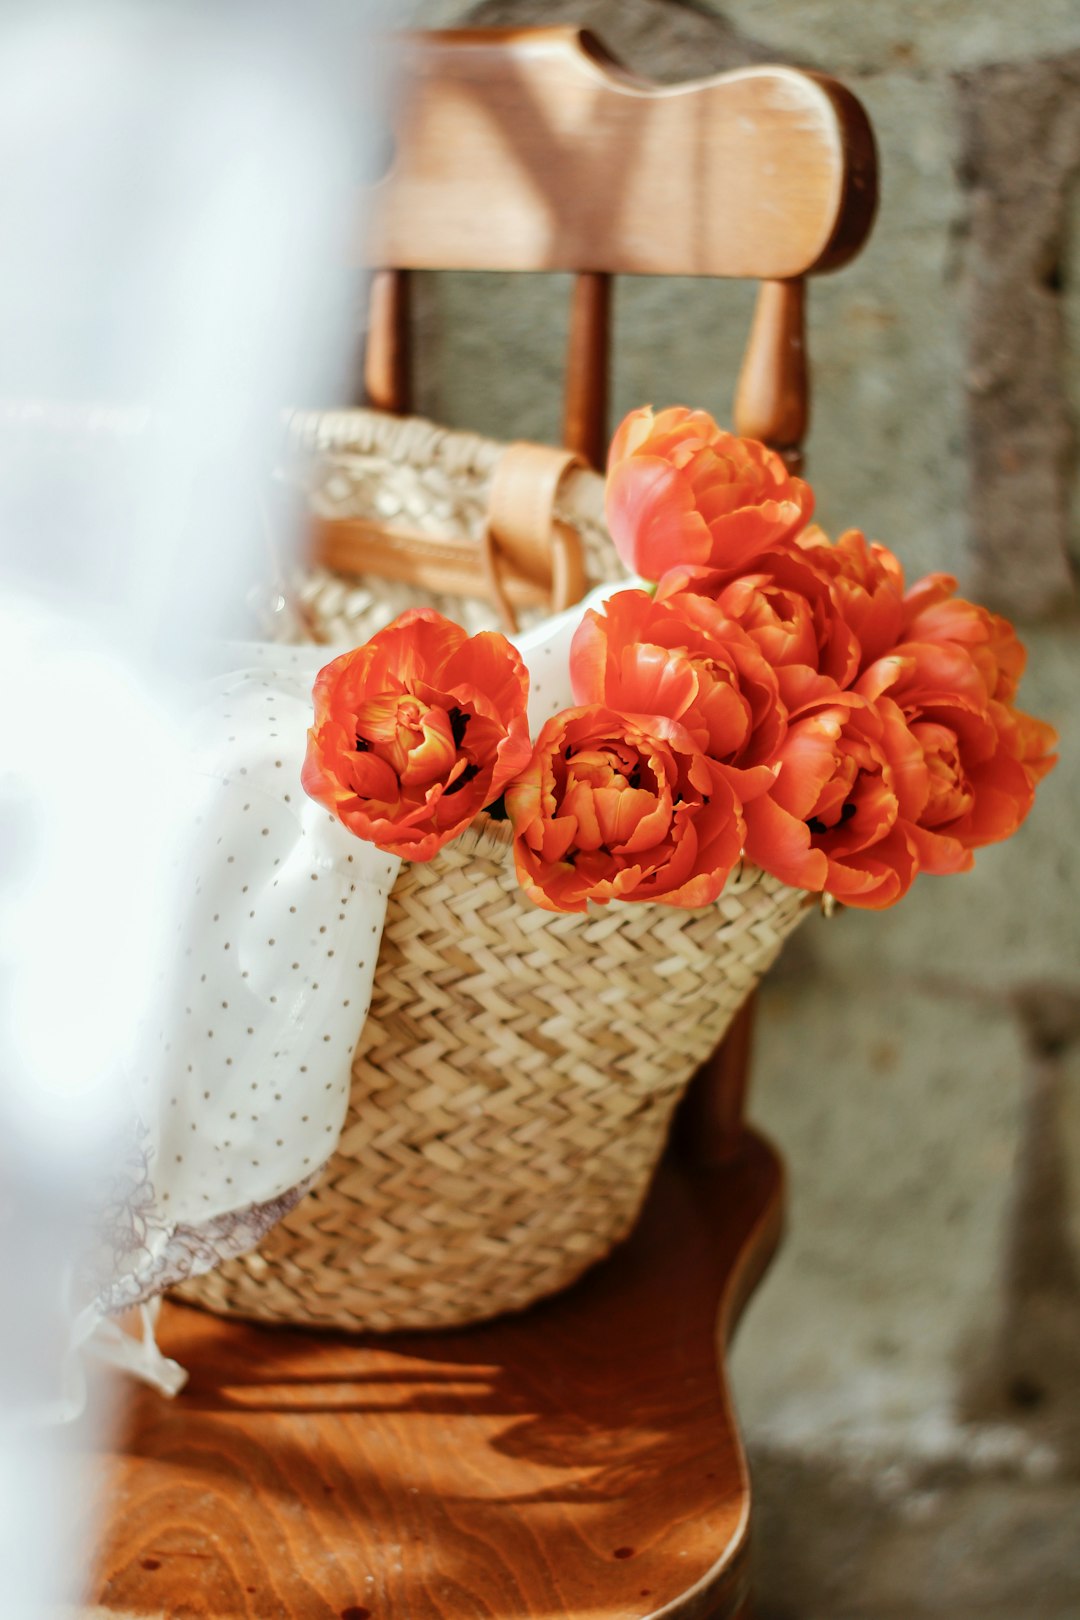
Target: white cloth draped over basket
{"type": "Point", "coordinates": [242, 1093]}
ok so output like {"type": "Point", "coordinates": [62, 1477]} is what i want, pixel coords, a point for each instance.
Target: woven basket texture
{"type": "Point", "coordinates": [516, 1076]}
{"type": "Point", "coordinates": [418, 479]}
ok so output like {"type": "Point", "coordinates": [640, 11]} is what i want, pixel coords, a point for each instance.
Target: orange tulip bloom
{"type": "Point", "coordinates": [867, 587]}
{"type": "Point", "coordinates": [786, 606]}
{"type": "Point", "coordinates": [682, 659]}
{"type": "Point", "coordinates": [681, 490]}
{"type": "Point", "coordinates": [833, 819]}
{"type": "Point", "coordinates": [416, 731]}
{"type": "Point", "coordinates": [622, 807]}
{"type": "Point", "coordinates": [968, 787]}
{"type": "Point", "coordinates": [933, 612]}
{"type": "Point", "coordinates": [1028, 740]}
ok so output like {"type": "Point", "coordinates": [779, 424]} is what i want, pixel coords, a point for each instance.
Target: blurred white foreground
{"type": "Point", "coordinates": [176, 185]}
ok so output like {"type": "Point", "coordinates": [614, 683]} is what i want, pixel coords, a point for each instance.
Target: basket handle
{"type": "Point", "coordinates": [524, 555]}
{"type": "Point", "coordinates": [522, 538]}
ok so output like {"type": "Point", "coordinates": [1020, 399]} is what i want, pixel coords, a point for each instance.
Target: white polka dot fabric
{"type": "Point", "coordinates": [546, 652]}
{"type": "Point", "coordinates": [279, 951]}
{"type": "Point", "coordinates": [244, 1090]}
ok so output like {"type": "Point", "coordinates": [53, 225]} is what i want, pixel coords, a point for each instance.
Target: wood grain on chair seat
{"type": "Point", "coordinates": [578, 1460]}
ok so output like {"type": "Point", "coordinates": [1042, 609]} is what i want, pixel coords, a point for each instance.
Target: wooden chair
{"type": "Point", "coordinates": [581, 1458]}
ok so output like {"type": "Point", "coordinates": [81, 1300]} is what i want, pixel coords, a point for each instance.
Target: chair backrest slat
{"type": "Point", "coordinates": [531, 149]}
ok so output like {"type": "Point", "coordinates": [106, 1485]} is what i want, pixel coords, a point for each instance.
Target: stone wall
{"type": "Point", "coordinates": [910, 1373]}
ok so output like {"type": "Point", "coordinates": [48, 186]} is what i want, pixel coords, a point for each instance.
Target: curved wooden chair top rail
{"type": "Point", "coordinates": [533, 149]}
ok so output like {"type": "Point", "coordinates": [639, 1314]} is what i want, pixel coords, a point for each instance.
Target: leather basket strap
{"type": "Point", "coordinates": [521, 507]}
{"type": "Point", "coordinates": [525, 556]}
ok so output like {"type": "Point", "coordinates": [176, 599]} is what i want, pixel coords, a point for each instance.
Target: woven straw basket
{"type": "Point", "coordinates": [517, 1073]}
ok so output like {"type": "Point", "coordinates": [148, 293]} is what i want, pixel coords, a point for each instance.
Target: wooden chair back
{"type": "Point", "coordinates": [533, 150]}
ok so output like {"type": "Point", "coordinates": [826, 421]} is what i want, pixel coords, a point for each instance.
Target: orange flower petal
{"type": "Point", "coordinates": [629, 809]}
{"type": "Point", "coordinates": [779, 843]}
{"type": "Point", "coordinates": [416, 731]}
{"type": "Point", "coordinates": [681, 490]}
{"type": "Point", "coordinates": [652, 517]}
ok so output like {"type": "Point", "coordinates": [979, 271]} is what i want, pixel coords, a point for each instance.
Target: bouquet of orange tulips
{"type": "Point", "coordinates": [763, 694]}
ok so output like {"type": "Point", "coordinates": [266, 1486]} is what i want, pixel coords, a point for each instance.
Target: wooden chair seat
{"type": "Point", "coordinates": [579, 1459]}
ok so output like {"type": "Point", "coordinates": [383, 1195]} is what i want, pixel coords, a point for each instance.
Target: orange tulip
{"type": "Point", "coordinates": [416, 731]}
{"type": "Point", "coordinates": [681, 490]}
{"type": "Point", "coordinates": [833, 819]}
{"type": "Point", "coordinates": [786, 606]}
{"type": "Point", "coordinates": [933, 612]}
{"type": "Point", "coordinates": [1028, 740]}
{"type": "Point", "coordinates": [622, 807]}
{"type": "Point", "coordinates": [970, 785]}
{"type": "Point", "coordinates": [867, 587]}
{"type": "Point", "coordinates": [682, 659]}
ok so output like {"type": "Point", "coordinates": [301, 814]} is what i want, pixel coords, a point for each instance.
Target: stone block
{"type": "Point", "coordinates": [886, 451]}
{"type": "Point", "coordinates": [1019, 170]}
{"type": "Point", "coordinates": [892, 36]}
{"type": "Point", "coordinates": [899, 1113]}
{"type": "Point", "coordinates": [833, 1545]}
{"type": "Point", "coordinates": [490, 351]}
{"type": "Point", "coordinates": [929, 1226]}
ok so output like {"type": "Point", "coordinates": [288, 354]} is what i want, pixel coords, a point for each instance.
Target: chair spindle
{"type": "Point", "coordinates": [772, 401]}
{"type": "Point", "coordinates": [585, 424]}
{"type": "Point", "coordinates": [387, 358]}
